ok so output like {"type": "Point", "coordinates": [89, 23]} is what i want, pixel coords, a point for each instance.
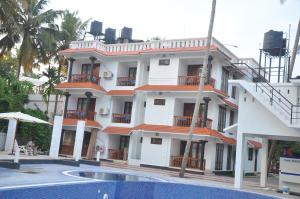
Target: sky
{"type": "Point", "coordinates": [237, 22]}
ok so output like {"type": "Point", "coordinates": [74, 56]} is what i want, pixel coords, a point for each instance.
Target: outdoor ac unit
{"type": "Point", "coordinates": [104, 111]}
{"type": "Point", "coordinates": [107, 74]}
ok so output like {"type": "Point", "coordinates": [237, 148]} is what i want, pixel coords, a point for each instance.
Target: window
{"type": "Point", "coordinates": [233, 92]}
{"type": "Point", "coordinates": [222, 118]}
{"type": "Point", "coordinates": [219, 156]}
{"type": "Point", "coordinates": [164, 62]}
{"type": "Point", "coordinates": [225, 77]}
{"type": "Point", "coordinates": [160, 102]}
{"type": "Point", "coordinates": [231, 118]}
{"type": "Point", "coordinates": [250, 154]}
{"type": "Point", "coordinates": [156, 141]}
{"type": "Point", "coordinates": [127, 107]}
{"type": "Point", "coordinates": [229, 157]}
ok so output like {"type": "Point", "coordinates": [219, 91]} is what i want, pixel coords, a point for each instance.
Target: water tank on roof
{"type": "Point", "coordinates": [126, 33]}
{"type": "Point", "coordinates": [110, 36]}
{"type": "Point", "coordinates": [274, 43]}
{"type": "Point", "coordinates": [96, 28]}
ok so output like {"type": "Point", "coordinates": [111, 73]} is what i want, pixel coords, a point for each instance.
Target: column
{"type": "Point", "coordinates": [88, 95]}
{"type": "Point", "coordinates": [93, 59]}
{"type": "Point", "coordinates": [264, 163]}
{"type": "Point", "coordinates": [204, 119]}
{"type": "Point", "coordinates": [92, 144]}
{"type": "Point", "coordinates": [10, 135]}
{"type": "Point", "coordinates": [56, 136]}
{"type": "Point", "coordinates": [67, 95]}
{"type": "Point", "coordinates": [70, 69]}
{"type": "Point", "coordinates": [78, 140]}
{"type": "Point", "coordinates": [239, 163]}
{"type": "Point", "coordinates": [209, 66]}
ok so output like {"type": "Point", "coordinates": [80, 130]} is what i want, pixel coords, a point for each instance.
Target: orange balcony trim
{"type": "Point", "coordinates": [88, 123]}
{"type": "Point", "coordinates": [117, 130]}
{"type": "Point", "coordinates": [121, 92]}
{"type": "Point", "coordinates": [81, 85]}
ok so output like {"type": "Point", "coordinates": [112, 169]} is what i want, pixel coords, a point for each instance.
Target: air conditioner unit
{"type": "Point", "coordinates": [103, 111]}
{"type": "Point", "coordinates": [107, 74]}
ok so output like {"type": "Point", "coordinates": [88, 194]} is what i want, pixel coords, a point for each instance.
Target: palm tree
{"type": "Point", "coordinates": [72, 28]}
{"type": "Point", "coordinates": [203, 77]}
{"type": "Point", "coordinates": [27, 22]}
{"type": "Point", "coordinates": [49, 86]}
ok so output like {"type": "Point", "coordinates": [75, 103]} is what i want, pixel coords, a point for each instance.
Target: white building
{"type": "Point", "coordinates": [135, 101]}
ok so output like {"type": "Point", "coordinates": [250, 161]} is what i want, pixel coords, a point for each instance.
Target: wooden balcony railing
{"type": "Point", "coordinates": [80, 115]}
{"type": "Point", "coordinates": [117, 154]}
{"type": "Point", "coordinates": [192, 80]}
{"type": "Point", "coordinates": [126, 81]}
{"type": "Point", "coordinates": [121, 118]}
{"type": "Point", "coordinates": [193, 163]}
{"type": "Point", "coordinates": [186, 121]}
{"type": "Point", "coordinates": [85, 78]}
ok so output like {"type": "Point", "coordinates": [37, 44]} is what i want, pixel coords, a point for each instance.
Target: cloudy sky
{"type": "Point", "coordinates": [238, 22]}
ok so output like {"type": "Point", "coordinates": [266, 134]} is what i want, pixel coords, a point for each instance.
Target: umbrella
{"type": "Point", "coordinates": [21, 117]}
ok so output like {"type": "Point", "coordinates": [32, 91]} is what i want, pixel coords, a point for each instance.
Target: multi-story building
{"type": "Point", "coordinates": [137, 102]}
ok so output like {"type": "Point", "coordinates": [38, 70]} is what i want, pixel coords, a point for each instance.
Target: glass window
{"type": "Point", "coordinates": [219, 156]}
{"type": "Point", "coordinates": [222, 118]}
{"type": "Point", "coordinates": [160, 102]}
{"type": "Point", "coordinates": [224, 83]}
{"type": "Point", "coordinates": [164, 62]}
{"type": "Point", "coordinates": [231, 117]}
{"type": "Point", "coordinates": [250, 154]}
{"type": "Point", "coordinates": [233, 92]}
{"type": "Point", "coordinates": [156, 141]}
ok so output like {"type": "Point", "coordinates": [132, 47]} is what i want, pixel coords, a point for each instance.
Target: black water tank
{"type": "Point", "coordinates": [96, 28]}
{"type": "Point", "coordinates": [110, 36]}
{"type": "Point", "coordinates": [274, 43]}
{"type": "Point", "coordinates": [126, 33]}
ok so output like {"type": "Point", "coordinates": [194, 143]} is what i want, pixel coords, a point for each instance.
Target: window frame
{"type": "Point", "coordinates": [164, 62]}
{"type": "Point", "coordinates": [222, 118]}
{"type": "Point", "coordinates": [157, 141]}
{"type": "Point", "coordinates": [159, 102]}
{"type": "Point", "coordinates": [250, 154]}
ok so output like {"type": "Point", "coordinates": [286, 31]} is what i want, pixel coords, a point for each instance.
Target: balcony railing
{"type": "Point", "coordinates": [126, 81]}
{"type": "Point", "coordinates": [192, 80]}
{"type": "Point", "coordinates": [185, 121]}
{"type": "Point", "coordinates": [80, 115]}
{"type": "Point", "coordinates": [121, 118]}
{"type": "Point", "coordinates": [193, 163]}
{"type": "Point", "coordinates": [85, 78]}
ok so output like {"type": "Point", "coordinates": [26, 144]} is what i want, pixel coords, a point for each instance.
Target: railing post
{"type": "Point", "coordinates": [292, 106]}
{"type": "Point", "coordinates": [272, 93]}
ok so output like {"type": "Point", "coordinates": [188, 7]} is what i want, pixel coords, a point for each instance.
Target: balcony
{"type": "Point", "coordinates": [121, 118]}
{"type": "Point", "coordinates": [126, 81]}
{"type": "Point", "coordinates": [185, 121]}
{"type": "Point", "coordinates": [85, 78]}
{"type": "Point", "coordinates": [192, 80]}
{"type": "Point", "coordinates": [193, 163]}
{"type": "Point", "coordinates": [80, 115]}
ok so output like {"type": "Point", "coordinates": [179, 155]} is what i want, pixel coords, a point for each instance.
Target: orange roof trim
{"type": "Point", "coordinates": [117, 130]}
{"type": "Point", "coordinates": [121, 92]}
{"type": "Point", "coordinates": [188, 49]}
{"type": "Point", "coordinates": [207, 88]}
{"type": "Point", "coordinates": [90, 85]}
{"type": "Point", "coordinates": [229, 103]}
{"type": "Point", "coordinates": [88, 123]}
{"type": "Point", "coordinates": [184, 130]}
{"type": "Point", "coordinates": [255, 144]}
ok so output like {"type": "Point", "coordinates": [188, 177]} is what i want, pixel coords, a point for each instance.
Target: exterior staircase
{"type": "Point", "coordinates": [269, 96]}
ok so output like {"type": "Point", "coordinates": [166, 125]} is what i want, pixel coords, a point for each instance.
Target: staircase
{"type": "Point", "coordinates": [267, 95]}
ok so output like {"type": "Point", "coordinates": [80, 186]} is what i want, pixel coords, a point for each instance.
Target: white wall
{"type": "Point", "coordinates": [153, 154]}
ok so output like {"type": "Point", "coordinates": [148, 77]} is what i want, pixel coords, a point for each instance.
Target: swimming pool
{"type": "Point", "coordinates": [120, 188]}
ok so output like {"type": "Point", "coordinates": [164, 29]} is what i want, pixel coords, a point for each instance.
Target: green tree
{"type": "Point", "coordinates": [8, 65]}
{"type": "Point", "coordinates": [27, 23]}
{"type": "Point", "coordinates": [40, 134]}
{"type": "Point", "coordinates": [49, 87]}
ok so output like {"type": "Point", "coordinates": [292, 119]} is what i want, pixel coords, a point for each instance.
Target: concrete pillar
{"type": "Point", "coordinates": [210, 157]}
{"type": "Point", "coordinates": [78, 140]}
{"type": "Point", "coordinates": [10, 135]}
{"type": "Point", "coordinates": [240, 160]}
{"type": "Point", "coordinates": [71, 62]}
{"type": "Point", "coordinates": [264, 163]}
{"type": "Point", "coordinates": [56, 136]}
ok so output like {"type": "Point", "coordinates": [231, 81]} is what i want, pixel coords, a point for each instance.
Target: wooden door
{"type": "Point", "coordinates": [188, 109]}
{"type": "Point", "coordinates": [193, 70]}
{"type": "Point", "coordinates": [127, 107]}
{"type": "Point", "coordinates": [85, 143]}
{"type": "Point", "coordinates": [132, 73]}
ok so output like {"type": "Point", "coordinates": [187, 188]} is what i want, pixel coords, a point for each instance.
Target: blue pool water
{"type": "Point", "coordinates": [126, 190]}
{"type": "Point", "coordinates": [109, 185]}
